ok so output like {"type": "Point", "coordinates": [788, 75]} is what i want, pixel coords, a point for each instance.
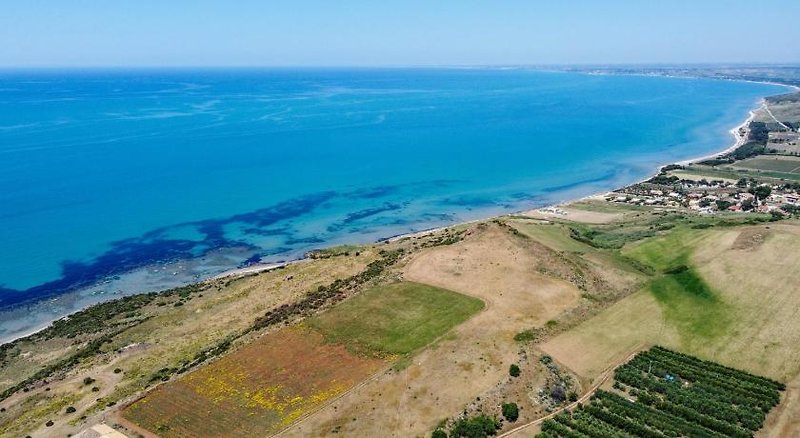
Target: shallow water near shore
{"type": "Point", "coordinates": [117, 182]}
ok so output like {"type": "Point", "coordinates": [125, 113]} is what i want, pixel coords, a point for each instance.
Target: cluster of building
{"type": "Point", "coordinates": [708, 197]}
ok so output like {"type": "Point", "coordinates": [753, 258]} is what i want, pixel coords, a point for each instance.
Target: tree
{"type": "Point", "coordinates": [514, 370]}
{"type": "Point", "coordinates": [723, 205]}
{"type": "Point", "coordinates": [742, 183]}
{"type": "Point", "coordinates": [558, 393]}
{"type": "Point", "coordinates": [510, 411]}
{"type": "Point", "coordinates": [761, 192]}
{"type": "Point", "coordinates": [476, 427]}
{"type": "Point", "coordinates": [70, 409]}
{"type": "Point", "coordinates": [88, 380]}
{"type": "Point", "coordinates": [747, 204]}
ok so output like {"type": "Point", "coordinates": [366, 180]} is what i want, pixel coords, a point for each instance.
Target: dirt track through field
{"type": "Point", "coordinates": [601, 380]}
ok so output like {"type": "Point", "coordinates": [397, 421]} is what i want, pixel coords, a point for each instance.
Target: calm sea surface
{"type": "Point", "coordinates": [114, 182]}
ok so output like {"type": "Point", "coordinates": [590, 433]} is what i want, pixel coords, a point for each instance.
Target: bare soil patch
{"type": "Point", "coordinates": [575, 215]}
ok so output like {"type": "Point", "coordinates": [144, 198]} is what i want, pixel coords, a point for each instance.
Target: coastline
{"type": "Point", "coordinates": [739, 139]}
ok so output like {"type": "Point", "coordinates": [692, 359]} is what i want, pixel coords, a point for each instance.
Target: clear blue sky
{"type": "Point", "coordinates": [410, 32]}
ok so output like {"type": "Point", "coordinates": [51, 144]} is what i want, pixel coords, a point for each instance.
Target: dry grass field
{"type": "Point", "coordinates": [492, 264]}
{"type": "Point", "coordinates": [747, 314]}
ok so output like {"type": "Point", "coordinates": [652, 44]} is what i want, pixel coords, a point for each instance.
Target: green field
{"type": "Point", "coordinates": [687, 301]}
{"type": "Point", "coordinates": [395, 319]}
{"type": "Point", "coordinates": [733, 173]}
{"type": "Point", "coordinates": [782, 164]}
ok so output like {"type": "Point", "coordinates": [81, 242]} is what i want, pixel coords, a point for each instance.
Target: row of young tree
{"type": "Point", "coordinates": [673, 394]}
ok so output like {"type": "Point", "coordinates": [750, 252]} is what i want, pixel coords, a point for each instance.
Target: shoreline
{"type": "Point", "coordinates": [739, 139]}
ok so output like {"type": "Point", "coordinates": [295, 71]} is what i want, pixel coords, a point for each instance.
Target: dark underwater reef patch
{"type": "Point", "coordinates": [161, 245]}
{"type": "Point", "coordinates": [156, 247]}
{"type": "Point", "coordinates": [605, 177]}
{"type": "Point", "coordinates": [363, 214]}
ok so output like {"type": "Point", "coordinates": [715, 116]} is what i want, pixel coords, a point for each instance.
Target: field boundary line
{"type": "Point", "coordinates": [603, 379]}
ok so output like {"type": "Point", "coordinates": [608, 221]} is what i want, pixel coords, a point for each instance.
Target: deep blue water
{"type": "Point", "coordinates": [107, 171]}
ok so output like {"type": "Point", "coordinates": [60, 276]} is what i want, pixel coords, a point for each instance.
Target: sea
{"type": "Point", "coordinates": [115, 182]}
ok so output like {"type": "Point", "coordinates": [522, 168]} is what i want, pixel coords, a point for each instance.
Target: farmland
{"type": "Point", "coordinates": [260, 388]}
{"type": "Point", "coordinates": [284, 375]}
{"type": "Point", "coordinates": [664, 393]}
{"type": "Point", "coordinates": [707, 308]}
{"type": "Point", "coordinates": [773, 163]}
{"type": "Point", "coordinates": [395, 319]}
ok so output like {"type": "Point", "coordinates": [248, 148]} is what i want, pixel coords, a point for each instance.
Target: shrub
{"type": "Point", "coordinates": [676, 270]}
{"type": "Point", "coordinates": [572, 396]}
{"type": "Point", "coordinates": [476, 427]}
{"type": "Point", "coordinates": [439, 433]}
{"type": "Point", "coordinates": [88, 380]}
{"type": "Point", "coordinates": [525, 336]}
{"type": "Point", "coordinates": [49, 423]}
{"type": "Point", "coordinates": [70, 409]}
{"type": "Point", "coordinates": [117, 370]}
{"type": "Point", "coordinates": [514, 370]}
{"type": "Point", "coordinates": [510, 411]}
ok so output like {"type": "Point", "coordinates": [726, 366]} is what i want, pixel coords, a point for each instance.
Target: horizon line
{"type": "Point", "coordinates": [400, 66]}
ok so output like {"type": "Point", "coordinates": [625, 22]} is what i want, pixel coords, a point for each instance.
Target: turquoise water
{"type": "Point", "coordinates": [104, 172]}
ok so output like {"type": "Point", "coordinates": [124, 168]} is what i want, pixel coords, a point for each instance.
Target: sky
{"type": "Point", "coordinates": [106, 33]}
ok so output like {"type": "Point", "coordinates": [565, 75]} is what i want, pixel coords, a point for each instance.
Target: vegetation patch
{"type": "Point", "coordinates": [664, 393]}
{"type": "Point", "coordinates": [258, 389]}
{"type": "Point", "coordinates": [277, 379]}
{"type": "Point", "coordinates": [395, 319]}
{"type": "Point", "coordinates": [686, 299]}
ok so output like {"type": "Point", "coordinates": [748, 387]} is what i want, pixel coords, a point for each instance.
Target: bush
{"type": "Point", "coordinates": [49, 423]}
{"type": "Point", "coordinates": [88, 380]}
{"type": "Point", "coordinates": [525, 336]}
{"type": "Point", "coordinates": [117, 370]}
{"type": "Point", "coordinates": [723, 205]}
{"type": "Point", "coordinates": [510, 411]}
{"type": "Point", "coordinates": [572, 396]}
{"type": "Point", "coordinates": [514, 370]}
{"type": "Point", "coordinates": [439, 433]}
{"type": "Point", "coordinates": [558, 393]}
{"type": "Point", "coordinates": [71, 409]}
{"type": "Point", "coordinates": [676, 270]}
{"type": "Point", "coordinates": [476, 427]}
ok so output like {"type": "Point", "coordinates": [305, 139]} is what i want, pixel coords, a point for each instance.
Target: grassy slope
{"type": "Point", "coordinates": [688, 303]}
{"type": "Point", "coordinates": [395, 319]}
{"type": "Point", "coordinates": [733, 305]}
